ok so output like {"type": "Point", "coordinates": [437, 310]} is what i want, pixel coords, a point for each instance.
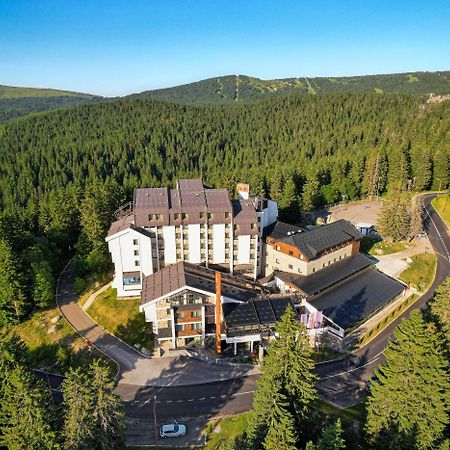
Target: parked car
{"type": "Point", "coordinates": [172, 430]}
{"type": "Point", "coordinates": [421, 234]}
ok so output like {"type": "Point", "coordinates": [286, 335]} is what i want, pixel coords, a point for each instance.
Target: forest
{"type": "Point", "coordinates": [63, 173]}
{"type": "Point", "coordinates": [241, 88]}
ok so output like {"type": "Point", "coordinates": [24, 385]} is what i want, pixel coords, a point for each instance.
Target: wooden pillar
{"type": "Point", "coordinates": [218, 312]}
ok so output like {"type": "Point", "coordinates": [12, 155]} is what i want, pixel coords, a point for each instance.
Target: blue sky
{"type": "Point", "coordinates": [116, 47]}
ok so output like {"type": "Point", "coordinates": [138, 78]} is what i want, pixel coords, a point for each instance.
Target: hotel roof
{"type": "Point", "coordinates": [327, 277]}
{"type": "Point", "coordinates": [314, 242]}
{"type": "Point", "coordinates": [183, 275]}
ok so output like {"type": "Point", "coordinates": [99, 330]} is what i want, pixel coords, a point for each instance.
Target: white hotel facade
{"type": "Point", "coordinates": [189, 223]}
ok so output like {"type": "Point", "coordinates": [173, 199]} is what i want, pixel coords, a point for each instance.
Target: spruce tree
{"type": "Point", "coordinates": [440, 308]}
{"type": "Point", "coordinates": [409, 406]}
{"type": "Point", "coordinates": [12, 296]}
{"type": "Point", "coordinates": [395, 215]}
{"type": "Point", "coordinates": [286, 374]}
{"type": "Point", "coordinates": [331, 438]}
{"type": "Point", "coordinates": [27, 415]}
{"type": "Point", "coordinates": [94, 417]}
{"type": "Point", "coordinates": [441, 170]}
{"type": "Point", "coordinates": [281, 433]}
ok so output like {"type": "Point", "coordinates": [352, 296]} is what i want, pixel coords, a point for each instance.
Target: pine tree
{"type": "Point", "coordinates": [311, 193]}
{"type": "Point", "coordinates": [416, 216]}
{"type": "Point", "coordinates": [441, 170]}
{"type": "Point", "coordinates": [409, 407]}
{"type": "Point", "coordinates": [440, 308]}
{"type": "Point", "coordinates": [395, 215]}
{"type": "Point", "coordinates": [331, 438]}
{"type": "Point", "coordinates": [281, 432]}
{"type": "Point", "coordinates": [422, 170]}
{"type": "Point", "coordinates": [287, 374]}
{"type": "Point", "coordinates": [94, 417]}
{"type": "Point", "coordinates": [12, 296]}
{"type": "Point", "coordinates": [43, 284]}
{"type": "Point", "coordinates": [27, 415]}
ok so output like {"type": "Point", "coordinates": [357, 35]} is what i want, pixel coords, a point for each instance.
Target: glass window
{"type": "Point", "coordinates": [137, 263]}
{"type": "Point", "coordinates": [127, 281]}
{"type": "Point", "coordinates": [227, 214]}
{"type": "Point", "coordinates": [202, 215]}
{"type": "Point", "coordinates": [180, 315]}
{"type": "Point", "coordinates": [136, 253]}
{"type": "Point", "coordinates": [196, 326]}
{"type": "Point", "coordinates": [291, 266]}
{"type": "Point", "coordinates": [135, 242]}
{"type": "Point", "coordinates": [180, 327]}
{"type": "Point", "coordinates": [196, 314]}
{"type": "Point", "coordinates": [278, 248]}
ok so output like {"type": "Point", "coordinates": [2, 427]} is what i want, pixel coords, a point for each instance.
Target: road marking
{"type": "Point", "coordinates": [212, 397]}
{"type": "Point", "coordinates": [437, 231]}
{"type": "Point", "coordinates": [352, 370]}
{"type": "Point", "coordinates": [203, 398]}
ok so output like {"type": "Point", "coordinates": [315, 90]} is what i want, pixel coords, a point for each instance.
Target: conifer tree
{"type": "Point", "coordinates": [311, 193]}
{"type": "Point", "coordinates": [281, 425]}
{"type": "Point", "coordinates": [395, 215]}
{"type": "Point", "coordinates": [441, 170]}
{"type": "Point", "coordinates": [94, 417]}
{"type": "Point", "coordinates": [12, 296]}
{"type": "Point", "coordinates": [440, 307]}
{"type": "Point", "coordinates": [26, 413]}
{"type": "Point", "coordinates": [409, 407]}
{"type": "Point", "coordinates": [287, 374]}
{"type": "Point", "coordinates": [331, 438]}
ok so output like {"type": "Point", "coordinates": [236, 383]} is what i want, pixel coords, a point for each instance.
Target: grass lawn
{"type": "Point", "coordinates": [122, 318]}
{"type": "Point", "coordinates": [420, 272]}
{"type": "Point", "coordinates": [225, 433]}
{"type": "Point", "coordinates": [53, 344]}
{"type": "Point", "coordinates": [442, 206]}
{"type": "Point", "coordinates": [387, 248]}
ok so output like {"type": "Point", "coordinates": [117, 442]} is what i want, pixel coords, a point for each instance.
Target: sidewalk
{"type": "Point", "coordinates": [134, 369]}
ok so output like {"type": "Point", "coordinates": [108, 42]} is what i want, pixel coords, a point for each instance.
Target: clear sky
{"type": "Point", "coordinates": [113, 47]}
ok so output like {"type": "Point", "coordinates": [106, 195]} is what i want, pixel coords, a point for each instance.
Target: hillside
{"type": "Point", "coordinates": [232, 88]}
{"type": "Point", "coordinates": [19, 101]}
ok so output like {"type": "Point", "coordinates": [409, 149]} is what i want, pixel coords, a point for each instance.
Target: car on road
{"type": "Point", "coordinates": [172, 430]}
{"type": "Point", "coordinates": [422, 234]}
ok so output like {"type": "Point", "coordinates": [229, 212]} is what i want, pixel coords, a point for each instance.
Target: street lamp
{"type": "Point", "coordinates": [155, 423]}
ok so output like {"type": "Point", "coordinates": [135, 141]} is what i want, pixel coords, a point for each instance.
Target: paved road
{"type": "Point", "coordinates": [341, 382]}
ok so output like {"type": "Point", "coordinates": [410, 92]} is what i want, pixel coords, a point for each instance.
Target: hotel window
{"type": "Point", "coordinates": [135, 242]}
{"type": "Point", "coordinates": [291, 266]}
{"type": "Point", "coordinates": [202, 215]}
{"type": "Point", "coordinates": [314, 269]}
{"type": "Point", "coordinates": [136, 253]}
{"type": "Point", "coordinates": [196, 314]}
{"type": "Point", "coordinates": [277, 248]}
{"type": "Point", "coordinates": [180, 315]}
{"type": "Point", "coordinates": [180, 327]}
{"type": "Point", "coordinates": [253, 226]}
{"type": "Point", "coordinates": [210, 216]}
{"type": "Point", "coordinates": [196, 326]}
{"type": "Point", "coordinates": [185, 216]}
{"type": "Point", "coordinates": [137, 263]}
{"type": "Point", "coordinates": [300, 270]}
{"type": "Point", "coordinates": [177, 216]}
{"type": "Point", "coordinates": [227, 214]}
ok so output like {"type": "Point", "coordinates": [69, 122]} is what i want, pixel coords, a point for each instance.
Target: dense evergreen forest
{"type": "Point", "coordinates": [17, 101]}
{"type": "Point", "coordinates": [232, 88]}
{"type": "Point", "coordinates": [63, 173]}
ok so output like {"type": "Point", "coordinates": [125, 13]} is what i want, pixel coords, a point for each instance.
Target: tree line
{"type": "Point", "coordinates": [63, 173]}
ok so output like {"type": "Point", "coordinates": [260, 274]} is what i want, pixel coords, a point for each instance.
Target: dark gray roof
{"type": "Point", "coordinates": [318, 240]}
{"type": "Point", "coordinates": [279, 230]}
{"type": "Point", "coordinates": [262, 312]}
{"type": "Point", "coordinates": [327, 277]}
{"type": "Point", "coordinates": [184, 275]}
{"type": "Point", "coordinates": [352, 300]}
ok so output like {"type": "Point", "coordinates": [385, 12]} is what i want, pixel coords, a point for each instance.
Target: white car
{"type": "Point", "coordinates": [172, 430]}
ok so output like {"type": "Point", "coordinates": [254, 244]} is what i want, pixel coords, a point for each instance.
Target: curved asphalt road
{"type": "Point", "coordinates": [341, 382]}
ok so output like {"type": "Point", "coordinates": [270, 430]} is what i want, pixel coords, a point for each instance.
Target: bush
{"type": "Point", "coordinates": [80, 285]}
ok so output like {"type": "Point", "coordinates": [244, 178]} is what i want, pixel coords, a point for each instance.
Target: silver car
{"type": "Point", "coordinates": [172, 430]}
